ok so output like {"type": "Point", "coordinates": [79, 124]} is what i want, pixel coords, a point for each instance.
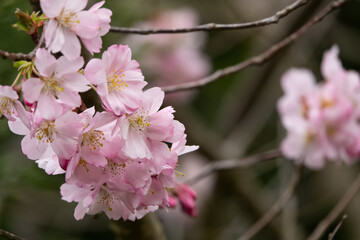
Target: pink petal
{"type": "Point", "coordinates": [59, 39]}
{"type": "Point", "coordinates": [64, 65]}
{"type": "Point", "coordinates": [8, 91]}
{"type": "Point", "coordinates": [48, 106]}
{"type": "Point", "coordinates": [96, 6]}
{"type": "Point", "coordinates": [31, 89]}
{"type": "Point", "coordinates": [71, 99]}
{"type": "Point", "coordinates": [331, 65]}
{"type": "Point", "coordinates": [33, 148]}
{"type": "Point", "coordinates": [52, 8]}
{"type": "Point", "coordinates": [160, 124]}
{"type": "Point", "coordinates": [71, 46]}
{"type": "Point", "coordinates": [93, 45]}
{"type": "Point", "coordinates": [153, 99]}
{"type": "Point", "coordinates": [94, 72]}
{"type": "Point", "coordinates": [76, 82]}
{"type": "Point", "coordinates": [88, 26]}
{"type": "Point", "coordinates": [298, 81]}
{"type": "Point", "coordinates": [45, 62]}
{"type": "Point", "coordinates": [76, 5]}
{"type": "Point", "coordinates": [50, 31]}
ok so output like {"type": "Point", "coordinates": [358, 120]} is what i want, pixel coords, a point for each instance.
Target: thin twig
{"type": "Point", "coordinates": [23, 56]}
{"type": "Point", "coordinates": [259, 59]}
{"type": "Point", "coordinates": [9, 236]}
{"type": "Point", "coordinates": [336, 211]}
{"type": "Point", "coordinates": [234, 164]}
{"type": "Point", "coordinates": [276, 208]}
{"type": "Point", "coordinates": [214, 26]}
{"type": "Point", "coordinates": [332, 235]}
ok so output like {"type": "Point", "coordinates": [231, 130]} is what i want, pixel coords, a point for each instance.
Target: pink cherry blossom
{"type": "Point", "coordinates": [58, 85]}
{"type": "Point", "coordinates": [95, 142]}
{"type": "Point", "coordinates": [104, 14]}
{"type": "Point", "coordinates": [147, 123]}
{"type": "Point", "coordinates": [61, 134]}
{"type": "Point", "coordinates": [68, 21]}
{"type": "Point", "coordinates": [186, 196]}
{"type": "Point", "coordinates": [118, 79]}
{"type": "Point", "coordinates": [321, 120]}
{"type": "Point", "coordinates": [10, 106]}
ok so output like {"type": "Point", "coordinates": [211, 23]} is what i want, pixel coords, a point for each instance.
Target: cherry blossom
{"type": "Point", "coordinates": [322, 120]}
{"type": "Point", "coordinates": [147, 123]}
{"type": "Point", "coordinates": [68, 21]}
{"type": "Point", "coordinates": [58, 85]}
{"type": "Point", "coordinates": [118, 79]}
{"type": "Point", "coordinates": [186, 196]}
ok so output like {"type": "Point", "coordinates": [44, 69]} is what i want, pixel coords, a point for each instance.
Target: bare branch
{"type": "Point", "coordinates": [234, 164]}
{"type": "Point", "coordinates": [259, 59]}
{"type": "Point", "coordinates": [332, 235]}
{"type": "Point", "coordinates": [9, 236]}
{"type": "Point", "coordinates": [214, 26]}
{"type": "Point", "coordinates": [335, 212]}
{"type": "Point", "coordinates": [276, 208]}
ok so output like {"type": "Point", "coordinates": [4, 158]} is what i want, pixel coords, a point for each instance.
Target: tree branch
{"type": "Point", "coordinates": [335, 212]}
{"type": "Point", "coordinates": [214, 26]}
{"type": "Point", "coordinates": [234, 164]}
{"type": "Point", "coordinates": [9, 236]}
{"type": "Point", "coordinates": [259, 59]}
{"type": "Point", "coordinates": [276, 208]}
{"type": "Point", "coordinates": [332, 235]}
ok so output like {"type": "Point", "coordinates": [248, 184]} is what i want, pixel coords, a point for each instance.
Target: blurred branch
{"type": "Point", "coordinates": [232, 164]}
{"type": "Point", "coordinates": [9, 236]}
{"type": "Point", "coordinates": [214, 26]}
{"type": "Point", "coordinates": [22, 56]}
{"type": "Point", "coordinates": [332, 235]}
{"type": "Point", "coordinates": [17, 56]}
{"type": "Point", "coordinates": [335, 212]}
{"type": "Point", "coordinates": [276, 208]}
{"type": "Point", "coordinates": [259, 59]}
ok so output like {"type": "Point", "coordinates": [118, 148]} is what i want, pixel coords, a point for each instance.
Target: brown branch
{"type": "Point", "coordinates": [259, 59]}
{"type": "Point", "coordinates": [276, 208]}
{"type": "Point", "coordinates": [332, 235]}
{"type": "Point", "coordinates": [9, 236]}
{"type": "Point", "coordinates": [214, 26]}
{"type": "Point", "coordinates": [335, 212]}
{"type": "Point", "coordinates": [232, 164]}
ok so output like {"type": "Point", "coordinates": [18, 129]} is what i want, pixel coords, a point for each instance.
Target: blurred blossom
{"type": "Point", "coordinates": [322, 120]}
{"type": "Point", "coordinates": [172, 58]}
{"type": "Point", "coordinates": [187, 197]}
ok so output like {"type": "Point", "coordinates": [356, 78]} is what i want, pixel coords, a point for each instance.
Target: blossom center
{"type": "Point", "coordinates": [93, 139]}
{"type": "Point", "coordinates": [4, 105]}
{"type": "Point", "coordinates": [68, 19]}
{"type": "Point", "coordinates": [84, 164]}
{"type": "Point", "coordinates": [140, 120]}
{"type": "Point", "coordinates": [46, 132]}
{"type": "Point", "coordinates": [115, 168]}
{"type": "Point", "coordinates": [116, 81]}
{"type": "Point", "coordinates": [107, 199]}
{"type": "Point", "coordinates": [52, 85]}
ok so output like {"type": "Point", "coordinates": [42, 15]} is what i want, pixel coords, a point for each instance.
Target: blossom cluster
{"type": "Point", "coordinates": [321, 119]}
{"type": "Point", "coordinates": [120, 161]}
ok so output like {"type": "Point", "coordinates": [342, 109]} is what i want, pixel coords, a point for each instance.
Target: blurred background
{"type": "Point", "coordinates": [230, 118]}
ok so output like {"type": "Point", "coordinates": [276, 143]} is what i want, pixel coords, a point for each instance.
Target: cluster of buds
{"type": "Point", "coordinates": [322, 120]}
{"type": "Point", "coordinates": [120, 161]}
